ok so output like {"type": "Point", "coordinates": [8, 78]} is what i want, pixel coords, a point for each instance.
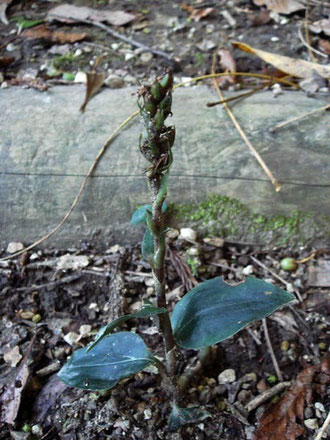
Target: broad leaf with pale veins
{"type": "Point", "coordinates": [214, 311]}
{"type": "Point", "coordinates": [115, 357]}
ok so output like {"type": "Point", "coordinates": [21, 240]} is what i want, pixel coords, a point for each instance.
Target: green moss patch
{"type": "Point", "coordinates": [231, 219]}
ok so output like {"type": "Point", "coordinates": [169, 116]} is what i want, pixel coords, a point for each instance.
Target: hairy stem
{"type": "Point", "coordinates": [159, 273]}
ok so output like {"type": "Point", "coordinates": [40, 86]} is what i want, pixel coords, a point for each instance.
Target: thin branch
{"type": "Point", "coordinates": [271, 351]}
{"type": "Point", "coordinates": [323, 429]}
{"type": "Point", "coordinates": [51, 284]}
{"type": "Point", "coordinates": [266, 395]}
{"type": "Point", "coordinates": [276, 276]}
{"type": "Point", "coordinates": [308, 40]}
{"type": "Point", "coordinates": [241, 95]}
{"type": "Point", "coordinates": [297, 118]}
{"type": "Point", "coordinates": [307, 45]}
{"type": "Point", "coordinates": [242, 133]}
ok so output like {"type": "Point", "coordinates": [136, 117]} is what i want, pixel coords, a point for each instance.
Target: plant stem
{"type": "Point", "coordinates": [159, 273]}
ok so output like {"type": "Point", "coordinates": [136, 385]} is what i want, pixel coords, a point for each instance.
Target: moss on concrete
{"type": "Point", "coordinates": [231, 219]}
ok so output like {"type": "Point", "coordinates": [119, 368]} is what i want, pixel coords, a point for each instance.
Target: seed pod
{"type": "Point", "coordinates": [166, 105]}
{"type": "Point", "coordinates": [159, 119]}
{"type": "Point", "coordinates": [167, 81]}
{"type": "Point", "coordinates": [150, 107]}
{"type": "Point", "coordinates": [156, 91]}
{"type": "Point", "coordinates": [289, 264]}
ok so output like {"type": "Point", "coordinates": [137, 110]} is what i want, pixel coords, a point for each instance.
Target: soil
{"type": "Point", "coordinates": [44, 305]}
{"type": "Point", "coordinates": [51, 306]}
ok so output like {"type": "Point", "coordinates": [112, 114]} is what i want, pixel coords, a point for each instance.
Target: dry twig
{"type": "Point", "coordinates": [308, 40]}
{"type": "Point", "coordinates": [297, 118]}
{"type": "Point", "coordinates": [266, 395]}
{"type": "Point", "coordinates": [241, 132]}
{"type": "Point", "coordinates": [51, 284]}
{"type": "Point", "coordinates": [323, 428]}
{"type": "Point", "coordinates": [271, 351]}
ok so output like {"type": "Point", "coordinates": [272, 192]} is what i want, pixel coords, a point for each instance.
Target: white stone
{"type": "Point", "coordinates": [71, 338]}
{"type": "Point", "coordinates": [146, 57]}
{"type": "Point", "coordinates": [188, 234]}
{"type": "Point", "coordinates": [5, 85]}
{"type": "Point", "coordinates": [12, 356]}
{"type": "Point", "coordinates": [80, 77]}
{"type": "Point", "coordinates": [10, 47]}
{"type": "Point", "coordinates": [129, 56]}
{"type": "Point", "coordinates": [319, 406]}
{"type": "Point", "coordinates": [69, 261]}
{"type": "Point", "coordinates": [248, 270]}
{"type": "Point", "coordinates": [311, 424]}
{"type": "Point", "coordinates": [85, 330]}
{"type": "Point", "coordinates": [227, 376]}
{"type": "Point", "coordinates": [274, 39]}
{"type": "Point", "coordinates": [114, 82]}
{"type": "Point", "coordinates": [147, 414]}
{"type": "Point", "coordinates": [78, 52]}
{"type": "Point", "coordinates": [14, 246]}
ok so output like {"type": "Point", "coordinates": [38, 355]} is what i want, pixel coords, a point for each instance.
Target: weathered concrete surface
{"type": "Point", "coordinates": [47, 146]}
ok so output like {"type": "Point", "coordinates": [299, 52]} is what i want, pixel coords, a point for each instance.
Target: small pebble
{"type": "Point", "coordinates": [248, 270]}
{"type": "Point", "coordinates": [80, 77]}
{"type": "Point", "coordinates": [311, 423]}
{"type": "Point", "coordinates": [150, 291]}
{"type": "Point", "coordinates": [114, 82]}
{"type": "Point", "coordinates": [71, 338]}
{"type": "Point", "coordinates": [227, 376]}
{"type": "Point", "coordinates": [146, 57]}
{"type": "Point", "coordinates": [14, 246]}
{"type": "Point", "coordinates": [37, 430]}
{"type": "Point", "coordinates": [188, 234]}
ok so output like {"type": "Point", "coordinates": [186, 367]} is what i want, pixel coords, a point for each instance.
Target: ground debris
{"type": "Point", "coordinates": [284, 419]}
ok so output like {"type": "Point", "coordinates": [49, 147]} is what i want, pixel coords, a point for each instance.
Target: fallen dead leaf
{"type": "Point", "coordinates": [324, 45]}
{"type": "Point", "coordinates": [281, 6]}
{"type": "Point", "coordinates": [5, 61]}
{"type": "Point", "coordinates": [94, 83]}
{"type": "Point", "coordinates": [3, 6]}
{"type": "Point", "coordinates": [260, 18]}
{"type": "Point", "coordinates": [197, 14]}
{"type": "Point", "coordinates": [284, 419]}
{"type": "Point", "coordinates": [227, 63]}
{"type": "Point", "coordinates": [69, 13]}
{"type": "Point", "coordinates": [43, 33]}
{"type": "Point", "coordinates": [10, 399]}
{"type": "Point", "coordinates": [298, 68]}
{"type": "Point", "coordinates": [46, 399]}
{"type": "Point", "coordinates": [321, 26]}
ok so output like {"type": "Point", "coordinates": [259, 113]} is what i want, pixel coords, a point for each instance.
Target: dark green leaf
{"type": "Point", "coordinates": [214, 311]}
{"type": "Point", "coordinates": [182, 416]}
{"type": "Point", "coordinates": [115, 357]}
{"type": "Point", "coordinates": [146, 311]}
{"type": "Point", "coordinates": [147, 246]}
{"type": "Point", "coordinates": [139, 215]}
